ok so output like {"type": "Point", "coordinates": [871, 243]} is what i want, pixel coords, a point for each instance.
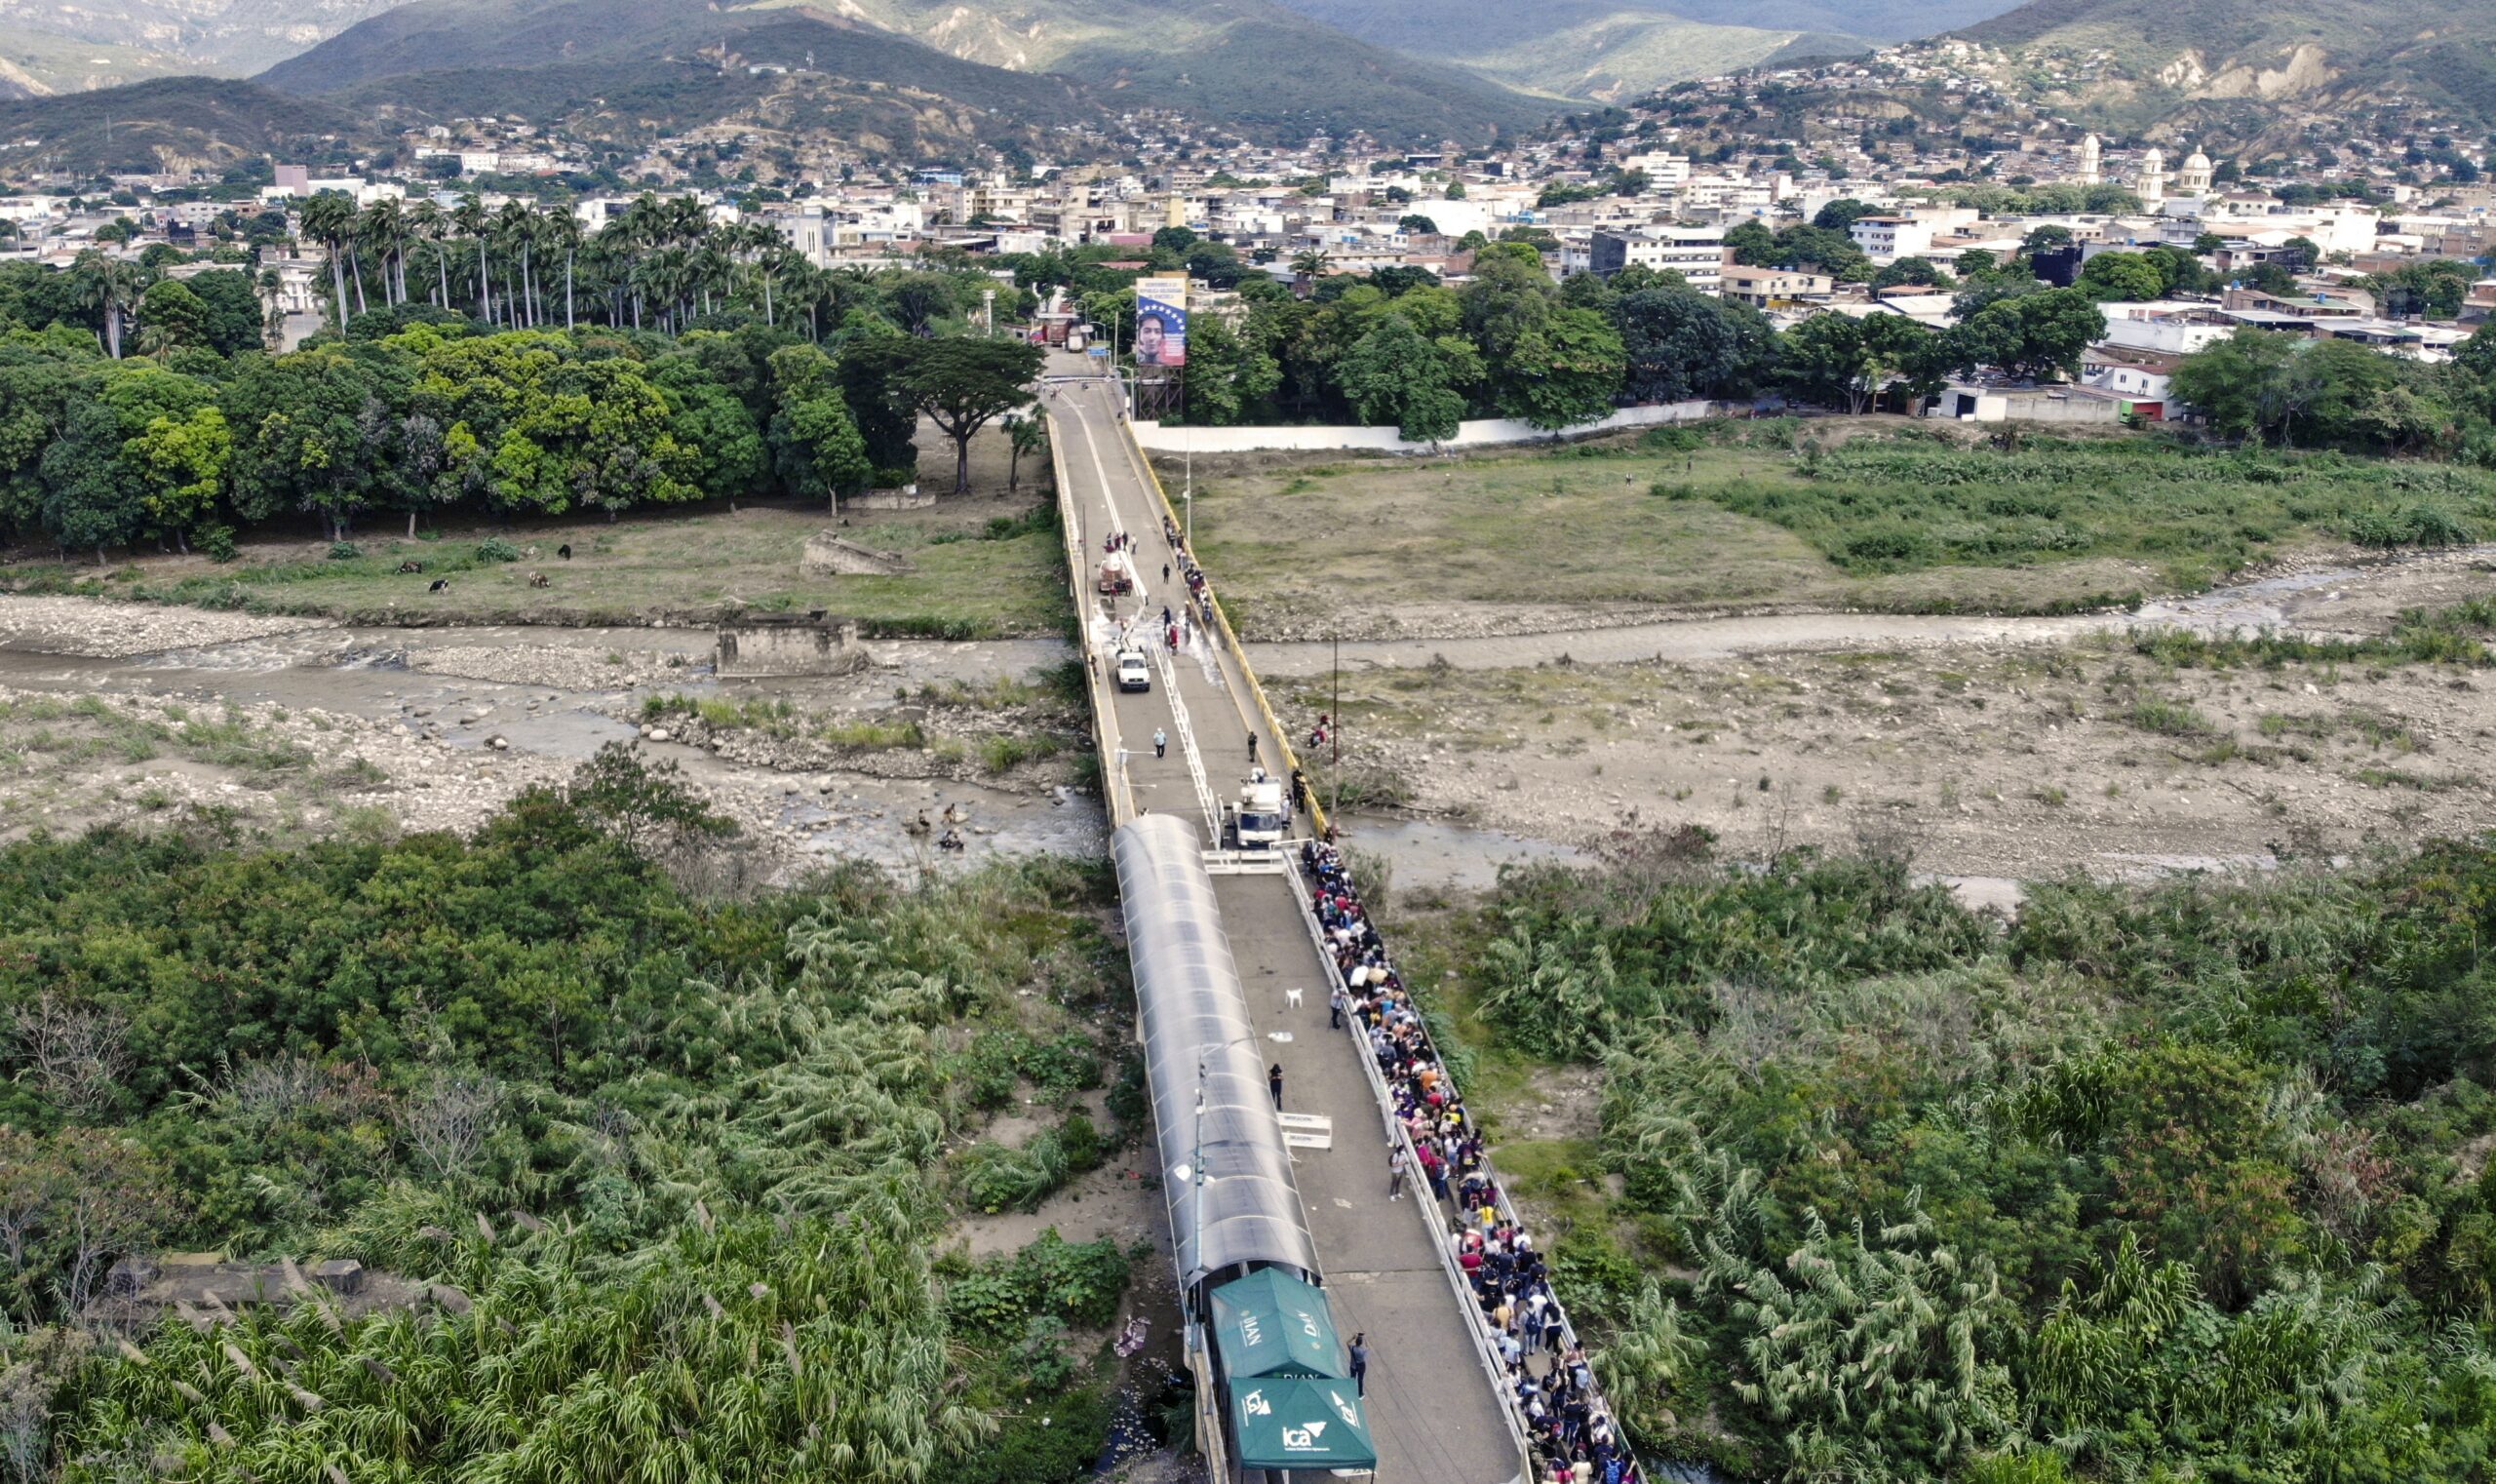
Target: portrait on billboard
{"type": "Point", "coordinates": [1161, 322]}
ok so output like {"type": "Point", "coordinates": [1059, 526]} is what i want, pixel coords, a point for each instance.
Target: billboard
{"type": "Point", "coordinates": [1160, 322]}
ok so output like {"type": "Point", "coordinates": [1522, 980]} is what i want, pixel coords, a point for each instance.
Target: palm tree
{"type": "Point", "coordinates": [1310, 264]}
{"type": "Point", "coordinates": [111, 284]}
{"type": "Point", "coordinates": [1025, 433]}
{"type": "Point", "coordinates": [686, 220]}
{"type": "Point", "coordinates": [469, 216]}
{"type": "Point", "coordinates": [430, 226]}
{"type": "Point", "coordinates": [327, 220]}
{"type": "Point", "coordinates": [769, 248]}
{"type": "Point", "coordinates": [510, 229]}
{"type": "Point", "coordinates": [385, 226]}
{"type": "Point", "coordinates": [560, 232]}
{"type": "Point", "coordinates": [665, 278]}
{"type": "Point", "coordinates": [714, 269]}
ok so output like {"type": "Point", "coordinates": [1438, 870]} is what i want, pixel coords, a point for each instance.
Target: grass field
{"type": "Point", "coordinates": [988, 566]}
{"type": "Point", "coordinates": [687, 566]}
{"type": "Point", "coordinates": [1896, 521]}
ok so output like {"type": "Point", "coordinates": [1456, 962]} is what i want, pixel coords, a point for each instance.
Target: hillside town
{"type": "Point", "coordinates": [1864, 212]}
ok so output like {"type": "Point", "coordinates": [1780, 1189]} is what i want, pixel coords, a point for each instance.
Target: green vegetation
{"type": "Point", "coordinates": [2452, 635]}
{"type": "Point", "coordinates": [2156, 1183]}
{"type": "Point", "coordinates": [2337, 394]}
{"type": "Point", "coordinates": [1880, 505]}
{"type": "Point", "coordinates": [502, 414]}
{"type": "Point", "coordinates": [676, 566]}
{"type": "Point", "coordinates": [1756, 511]}
{"type": "Point", "coordinates": [1398, 348]}
{"type": "Point", "coordinates": [651, 1182]}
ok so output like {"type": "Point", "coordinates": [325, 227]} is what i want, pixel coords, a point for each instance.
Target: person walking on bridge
{"type": "Point", "coordinates": [1360, 1364]}
{"type": "Point", "coordinates": [1251, 748]}
{"type": "Point", "coordinates": [1274, 1084]}
{"type": "Point", "coordinates": [1161, 743]}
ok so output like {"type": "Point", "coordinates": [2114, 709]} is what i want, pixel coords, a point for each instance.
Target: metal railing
{"type": "Point", "coordinates": [1441, 1240]}
{"type": "Point", "coordinates": [1230, 638]}
{"type": "Point", "coordinates": [1117, 792]}
{"type": "Point", "coordinates": [1188, 744]}
{"type": "Point", "coordinates": [1494, 1369]}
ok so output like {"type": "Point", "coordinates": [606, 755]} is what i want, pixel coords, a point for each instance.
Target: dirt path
{"type": "Point", "coordinates": [2344, 599]}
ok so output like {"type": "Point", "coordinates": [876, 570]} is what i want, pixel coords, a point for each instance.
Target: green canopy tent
{"type": "Point", "coordinates": [1300, 1421]}
{"type": "Point", "coordinates": [1270, 1323]}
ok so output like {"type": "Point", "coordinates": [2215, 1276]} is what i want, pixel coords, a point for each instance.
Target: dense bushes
{"type": "Point", "coordinates": [680, 1163]}
{"type": "Point", "coordinates": [1883, 505]}
{"type": "Point", "coordinates": [2178, 1181]}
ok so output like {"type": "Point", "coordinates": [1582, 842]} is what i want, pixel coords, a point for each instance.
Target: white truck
{"type": "Point", "coordinates": [1257, 821]}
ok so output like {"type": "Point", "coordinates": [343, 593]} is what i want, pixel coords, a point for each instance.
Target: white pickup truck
{"type": "Point", "coordinates": [1256, 821]}
{"type": "Point", "coordinates": [1132, 671]}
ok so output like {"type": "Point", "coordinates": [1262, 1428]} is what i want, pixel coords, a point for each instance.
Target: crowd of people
{"type": "Point", "coordinates": [1574, 1438]}
{"type": "Point", "coordinates": [1188, 568]}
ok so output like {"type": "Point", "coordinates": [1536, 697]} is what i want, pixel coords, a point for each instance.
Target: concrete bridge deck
{"type": "Point", "coordinates": [1433, 1411]}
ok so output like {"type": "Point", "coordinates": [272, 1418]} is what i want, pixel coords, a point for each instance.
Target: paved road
{"type": "Point", "coordinates": [1432, 1410]}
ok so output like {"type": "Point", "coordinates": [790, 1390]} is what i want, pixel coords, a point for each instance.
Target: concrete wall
{"type": "Point", "coordinates": [1482, 433]}
{"type": "Point", "coordinates": [771, 644]}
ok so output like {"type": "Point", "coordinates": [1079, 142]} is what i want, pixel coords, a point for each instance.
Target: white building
{"type": "Point", "coordinates": [1886, 239]}
{"type": "Point", "coordinates": [1695, 252]}
{"type": "Point", "coordinates": [1664, 172]}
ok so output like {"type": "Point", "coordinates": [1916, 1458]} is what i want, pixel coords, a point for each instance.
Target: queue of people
{"type": "Point", "coordinates": [1187, 569]}
{"type": "Point", "coordinates": [1574, 1438]}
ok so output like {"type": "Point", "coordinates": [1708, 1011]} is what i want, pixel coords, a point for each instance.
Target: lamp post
{"type": "Point", "coordinates": [1334, 738]}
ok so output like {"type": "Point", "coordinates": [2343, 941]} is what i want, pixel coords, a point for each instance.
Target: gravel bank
{"type": "Point", "coordinates": [99, 630]}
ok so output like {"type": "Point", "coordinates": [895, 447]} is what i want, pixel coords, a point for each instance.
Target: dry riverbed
{"type": "Point", "coordinates": [118, 713]}
{"type": "Point", "coordinates": [1990, 748]}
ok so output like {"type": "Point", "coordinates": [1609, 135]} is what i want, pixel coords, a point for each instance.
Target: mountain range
{"type": "Point", "coordinates": [894, 77]}
{"type": "Point", "coordinates": [67, 45]}
{"type": "Point", "coordinates": [2140, 64]}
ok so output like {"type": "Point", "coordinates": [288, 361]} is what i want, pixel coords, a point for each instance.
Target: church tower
{"type": "Point", "coordinates": [2151, 186]}
{"type": "Point", "coordinates": [2092, 161]}
{"type": "Point", "coordinates": [2194, 180]}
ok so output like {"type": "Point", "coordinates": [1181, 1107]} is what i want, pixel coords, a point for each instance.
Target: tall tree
{"type": "Point", "coordinates": [472, 221]}
{"type": "Point", "coordinates": [1679, 344]}
{"type": "Point", "coordinates": [384, 224]}
{"type": "Point", "coordinates": [1395, 375]}
{"type": "Point", "coordinates": [1568, 371]}
{"type": "Point", "coordinates": [329, 218]}
{"type": "Point", "coordinates": [110, 285]}
{"type": "Point", "coordinates": [962, 384]}
{"type": "Point", "coordinates": [171, 316]}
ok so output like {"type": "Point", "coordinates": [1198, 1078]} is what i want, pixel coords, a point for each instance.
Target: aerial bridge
{"type": "Point", "coordinates": [1285, 1242]}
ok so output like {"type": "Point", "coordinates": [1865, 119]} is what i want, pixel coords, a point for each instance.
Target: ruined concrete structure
{"type": "Point", "coordinates": [758, 645]}
{"type": "Point", "coordinates": [832, 556]}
